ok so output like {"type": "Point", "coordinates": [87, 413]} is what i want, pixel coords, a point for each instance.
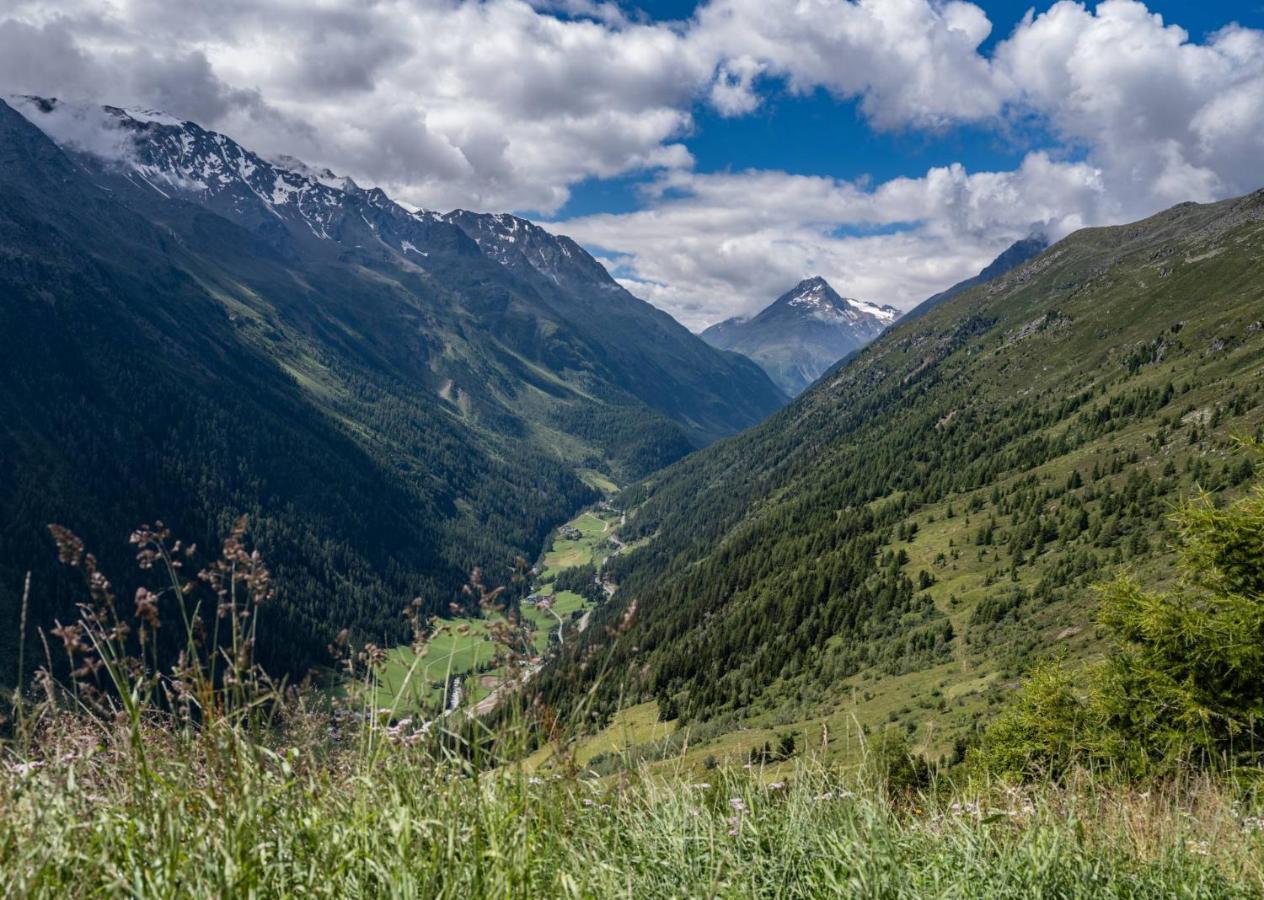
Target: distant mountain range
{"type": "Point", "coordinates": [189, 331]}
{"type": "Point", "coordinates": [802, 333]}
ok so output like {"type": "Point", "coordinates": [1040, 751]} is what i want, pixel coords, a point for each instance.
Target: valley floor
{"type": "Point", "coordinates": [462, 652]}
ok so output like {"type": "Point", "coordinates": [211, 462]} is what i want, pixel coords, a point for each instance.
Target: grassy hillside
{"type": "Point", "coordinates": [241, 788]}
{"type": "Point", "coordinates": [408, 827]}
{"type": "Point", "coordinates": [897, 546]}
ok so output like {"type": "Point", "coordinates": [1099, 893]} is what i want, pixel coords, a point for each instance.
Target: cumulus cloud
{"type": "Point", "coordinates": [508, 104]}
{"type": "Point", "coordinates": [711, 246]}
{"type": "Point", "coordinates": [498, 105]}
{"type": "Point", "coordinates": [1166, 119]}
{"type": "Point", "coordinates": [912, 62]}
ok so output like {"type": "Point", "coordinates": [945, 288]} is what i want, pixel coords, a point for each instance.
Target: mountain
{"type": "Point", "coordinates": [903, 541]}
{"type": "Point", "coordinates": [1015, 255]}
{"type": "Point", "coordinates": [637, 348]}
{"type": "Point", "coordinates": [802, 333]}
{"type": "Point", "coordinates": [189, 331]}
{"type": "Point", "coordinates": [656, 357]}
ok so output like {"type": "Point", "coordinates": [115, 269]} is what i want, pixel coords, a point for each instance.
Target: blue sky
{"type": "Point", "coordinates": [821, 135]}
{"type": "Point", "coordinates": [817, 133]}
{"type": "Point", "coordinates": [711, 154]}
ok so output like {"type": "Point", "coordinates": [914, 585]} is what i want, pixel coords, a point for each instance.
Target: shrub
{"type": "Point", "coordinates": [1183, 681]}
{"type": "Point", "coordinates": [891, 765]}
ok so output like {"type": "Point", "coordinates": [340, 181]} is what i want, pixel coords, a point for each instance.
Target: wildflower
{"type": "Point", "coordinates": [821, 798]}
{"type": "Point", "coordinates": [738, 805]}
{"type": "Point", "coordinates": [777, 786]}
{"type": "Point", "coordinates": [1198, 848]}
{"type": "Point", "coordinates": [71, 636]}
{"type": "Point", "coordinates": [1253, 823]}
{"type": "Point", "coordinates": [534, 780]}
{"type": "Point", "coordinates": [735, 825]}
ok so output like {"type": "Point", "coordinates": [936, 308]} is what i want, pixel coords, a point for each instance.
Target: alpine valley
{"type": "Point", "coordinates": [190, 332]}
{"type": "Point", "coordinates": [361, 537]}
{"type": "Point", "coordinates": [897, 547]}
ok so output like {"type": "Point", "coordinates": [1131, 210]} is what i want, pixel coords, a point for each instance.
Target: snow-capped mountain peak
{"type": "Point", "coordinates": [814, 297]}
{"type": "Point", "coordinates": [523, 246]}
{"type": "Point", "coordinates": [803, 332]}
{"type": "Point", "coordinates": [813, 294]}
{"type": "Point", "coordinates": [176, 159]}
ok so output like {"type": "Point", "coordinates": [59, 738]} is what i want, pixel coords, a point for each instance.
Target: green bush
{"type": "Point", "coordinates": [891, 765]}
{"type": "Point", "coordinates": [1183, 681]}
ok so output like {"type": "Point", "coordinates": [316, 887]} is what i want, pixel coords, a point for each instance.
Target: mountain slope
{"type": "Point", "coordinates": [625, 343]}
{"type": "Point", "coordinates": [190, 332]}
{"type": "Point", "coordinates": [907, 536]}
{"type": "Point", "coordinates": [802, 333]}
{"type": "Point", "coordinates": [1015, 255]}
{"type": "Point", "coordinates": [656, 357]}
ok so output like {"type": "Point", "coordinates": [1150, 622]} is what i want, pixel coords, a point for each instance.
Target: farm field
{"type": "Point", "coordinates": [463, 647]}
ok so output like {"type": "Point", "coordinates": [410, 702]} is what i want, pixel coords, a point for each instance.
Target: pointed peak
{"type": "Point", "coordinates": [814, 297]}
{"type": "Point", "coordinates": [813, 293]}
{"type": "Point", "coordinates": [815, 286]}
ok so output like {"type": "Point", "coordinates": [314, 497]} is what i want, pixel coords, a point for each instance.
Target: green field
{"type": "Point", "coordinates": [598, 480]}
{"type": "Point", "coordinates": [462, 646]}
{"type": "Point", "coordinates": [567, 554]}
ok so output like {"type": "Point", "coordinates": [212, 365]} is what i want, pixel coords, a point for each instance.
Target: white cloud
{"type": "Point", "coordinates": [913, 62]}
{"type": "Point", "coordinates": [488, 105]}
{"type": "Point", "coordinates": [733, 242]}
{"type": "Point", "coordinates": [508, 104]}
{"type": "Point", "coordinates": [1166, 119]}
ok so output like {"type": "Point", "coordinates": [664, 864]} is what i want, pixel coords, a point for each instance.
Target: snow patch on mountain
{"type": "Point", "coordinates": [815, 297]}
{"type": "Point", "coordinates": [883, 313]}
{"type": "Point", "coordinates": [803, 332]}
{"type": "Point", "coordinates": [149, 115]}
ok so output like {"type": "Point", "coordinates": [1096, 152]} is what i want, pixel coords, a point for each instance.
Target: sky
{"type": "Point", "coordinates": [710, 153]}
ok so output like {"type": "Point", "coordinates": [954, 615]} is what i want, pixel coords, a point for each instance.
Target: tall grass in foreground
{"type": "Point", "coordinates": [199, 776]}
{"type": "Point", "coordinates": [286, 823]}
